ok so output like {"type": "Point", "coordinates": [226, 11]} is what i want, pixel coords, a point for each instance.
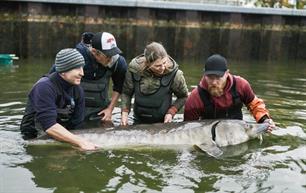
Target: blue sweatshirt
{"type": "Point", "coordinates": [43, 101]}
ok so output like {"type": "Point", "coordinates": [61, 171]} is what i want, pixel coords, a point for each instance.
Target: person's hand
{"type": "Point", "coordinates": [168, 118]}
{"type": "Point", "coordinates": [124, 118]}
{"type": "Point", "coordinates": [271, 125]}
{"type": "Point", "coordinates": [106, 114]}
{"type": "Point", "coordinates": [87, 146]}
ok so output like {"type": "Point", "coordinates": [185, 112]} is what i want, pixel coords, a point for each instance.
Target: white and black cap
{"type": "Point", "coordinates": [106, 43]}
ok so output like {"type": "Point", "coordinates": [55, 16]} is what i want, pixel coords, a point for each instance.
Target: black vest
{"type": "Point", "coordinates": [95, 81]}
{"type": "Point", "coordinates": [96, 91]}
{"type": "Point", "coordinates": [210, 112]}
{"type": "Point", "coordinates": [65, 107]}
{"type": "Point", "coordinates": [151, 108]}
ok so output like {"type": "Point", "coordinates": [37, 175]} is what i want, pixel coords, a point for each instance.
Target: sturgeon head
{"type": "Point", "coordinates": [230, 132]}
{"type": "Point", "coordinates": [233, 132]}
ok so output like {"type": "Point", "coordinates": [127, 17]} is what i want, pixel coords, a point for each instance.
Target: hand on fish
{"type": "Point", "coordinates": [167, 118]}
{"type": "Point", "coordinates": [106, 114]}
{"type": "Point", "coordinates": [124, 118]}
{"type": "Point", "coordinates": [87, 146]}
{"type": "Point", "coordinates": [271, 125]}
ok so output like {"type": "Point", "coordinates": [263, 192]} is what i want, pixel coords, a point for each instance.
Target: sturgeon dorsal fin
{"type": "Point", "coordinates": [211, 149]}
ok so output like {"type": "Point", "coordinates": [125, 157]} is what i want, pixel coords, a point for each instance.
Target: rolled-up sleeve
{"type": "Point", "coordinates": [127, 92]}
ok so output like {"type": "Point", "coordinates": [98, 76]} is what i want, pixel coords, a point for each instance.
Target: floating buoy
{"type": "Point", "coordinates": [6, 59]}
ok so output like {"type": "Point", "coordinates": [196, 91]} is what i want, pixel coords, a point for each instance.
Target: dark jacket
{"type": "Point", "coordinates": [53, 100]}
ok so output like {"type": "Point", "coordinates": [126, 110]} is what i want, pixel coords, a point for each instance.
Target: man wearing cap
{"type": "Point", "coordinates": [56, 102]}
{"type": "Point", "coordinates": [221, 95]}
{"type": "Point", "coordinates": [102, 63]}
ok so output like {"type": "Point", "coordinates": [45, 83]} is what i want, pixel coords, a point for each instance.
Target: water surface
{"type": "Point", "coordinates": [278, 164]}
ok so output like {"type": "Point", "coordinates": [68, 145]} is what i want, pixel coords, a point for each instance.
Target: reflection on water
{"type": "Point", "coordinates": [271, 166]}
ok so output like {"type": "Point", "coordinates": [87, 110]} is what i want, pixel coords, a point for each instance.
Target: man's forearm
{"type": "Point", "coordinates": [125, 102]}
{"type": "Point", "coordinates": [60, 133]}
{"type": "Point", "coordinates": [114, 100]}
{"type": "Point", "coordinates": [179, 102]}
{"type": "Point", "coordinates": [258, 109]}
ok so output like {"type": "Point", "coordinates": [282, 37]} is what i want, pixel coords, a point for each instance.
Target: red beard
{"type": "Point", "coordinates": [215, 91]}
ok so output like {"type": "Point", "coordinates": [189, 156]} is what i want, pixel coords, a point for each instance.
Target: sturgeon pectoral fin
{"type": "Point", "coordinates": [210, 149]}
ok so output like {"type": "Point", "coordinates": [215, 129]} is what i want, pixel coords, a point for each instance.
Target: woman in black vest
{"type": "Point", "coordinates": [152, 78]}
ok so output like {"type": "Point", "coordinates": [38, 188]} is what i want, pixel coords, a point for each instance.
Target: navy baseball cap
{"type": "Point", "coordinates": [216, 65]}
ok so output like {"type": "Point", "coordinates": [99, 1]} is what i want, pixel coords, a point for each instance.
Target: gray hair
{"type": "Point", "coordinates": [154, 51]}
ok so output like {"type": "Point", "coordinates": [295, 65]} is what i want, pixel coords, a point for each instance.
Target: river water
{"type": "Point", "coordinates": [278, 164]}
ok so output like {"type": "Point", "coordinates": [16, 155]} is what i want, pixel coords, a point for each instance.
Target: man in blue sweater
{"type": "Point", "coordinates": [56, 102]}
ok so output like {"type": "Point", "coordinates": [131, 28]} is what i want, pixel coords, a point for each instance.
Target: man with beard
{"type": "Point", "coordinates": [221, 95]}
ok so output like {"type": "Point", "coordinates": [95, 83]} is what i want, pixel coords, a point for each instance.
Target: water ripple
{"type": "Point", "coordinates": [12, 150]}
{"type": "Point", "coordinates": [11, 104]}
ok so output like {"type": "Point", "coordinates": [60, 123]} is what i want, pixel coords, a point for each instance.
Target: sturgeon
{"type": "Point", "coordinates": [208, 135]}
